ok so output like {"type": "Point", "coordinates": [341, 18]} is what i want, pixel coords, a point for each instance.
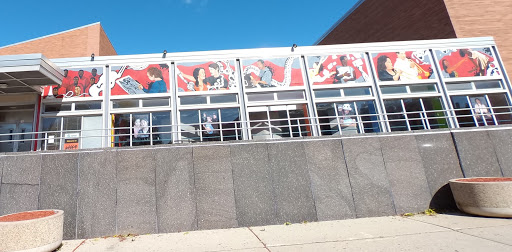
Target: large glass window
{"type": "Point", "coordinates": [348, 117]}
{"type": "Point", "coordinates": [72, 132]}
{"type": "Point", "coordinates": [415, 114]}
{"type": "Point", "coordinates": [482, 110]}
{"type": "Point", "coordinates": [210, 125]}
{"type": "Point", "coordinates": [135, 129]}
{"type": "Point", "coordinates": [15, 124]}
{"type": "Point", "coordinates": [279, 121]}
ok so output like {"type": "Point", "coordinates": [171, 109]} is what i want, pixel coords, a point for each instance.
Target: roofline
{"type": "Point", "coordinates": [356, 5]}
{"type": "Point", "coordinates": [46, 36]}
{"type": "Point", "coordinates": [201, 56]}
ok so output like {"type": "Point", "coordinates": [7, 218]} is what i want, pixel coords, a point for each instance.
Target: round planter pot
{"type": "Point", "coordinates": [489, 196]}
{"type": "Point", "coordinates": [31, 231]}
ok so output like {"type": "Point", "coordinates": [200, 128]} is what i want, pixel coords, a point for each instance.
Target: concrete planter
{"type": "Point", "coordinates": [31, 231]}
{"type": "Point", "coordinates": [483, 196]}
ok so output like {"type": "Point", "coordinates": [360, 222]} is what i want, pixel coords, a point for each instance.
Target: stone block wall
{"type": "Point", "coordinates": [173, 188]}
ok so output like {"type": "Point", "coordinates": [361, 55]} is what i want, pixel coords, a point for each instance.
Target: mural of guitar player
{"type": "Point", "coordinates": [206, 76]}
{"type": "Point", "coordinates": [139, 79]}
{"type": "Point", "coordinates": [77, 82]}
{"type": "Point", "coordinates": [337, 69]}
{"type": "Point", "coordinates": [407, 66]}
{"type": "Point", "coordinates": [272, 73]}
{"type": "Point", "coordinates": [467, 62]}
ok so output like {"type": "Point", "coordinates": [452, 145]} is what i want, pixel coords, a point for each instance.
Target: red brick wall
{"type": "Point", "coordinates": [477, 18]}
{"type": "Point", "coordinates": [76, 43]}
{"type": "Point", "coordinates": [106, 47]}
{"type": "Point", "coordinates": [393, 20]}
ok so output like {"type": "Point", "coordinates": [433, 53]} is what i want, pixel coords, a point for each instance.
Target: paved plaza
{"type": "Point", "coordinates": [441, 232]}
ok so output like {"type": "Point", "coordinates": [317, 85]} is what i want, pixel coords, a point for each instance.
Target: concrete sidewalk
{"type": "Point", "coordinates": [442, 232]}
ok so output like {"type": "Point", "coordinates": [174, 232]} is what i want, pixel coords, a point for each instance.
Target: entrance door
{"type": "Point", "coordinates": [14, 128]}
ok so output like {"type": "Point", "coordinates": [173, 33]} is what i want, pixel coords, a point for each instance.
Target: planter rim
{"type": "Point", "coordinates": [57, 212]}
{"type": "Point", "coordinates": [464, 180]}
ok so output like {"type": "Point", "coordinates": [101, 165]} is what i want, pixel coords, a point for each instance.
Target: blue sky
{"type": "Point", "coordinates": [136, 27]}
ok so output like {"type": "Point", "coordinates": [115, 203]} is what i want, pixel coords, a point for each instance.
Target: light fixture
{"type": "Point", "coordinates": [92, 57]}
{"type": "Point", "coordinates": [165, 53]}
{"type": "Point", "coordinates": [293, 47]}
{"type": "Point", "coordinates": [3, 85]}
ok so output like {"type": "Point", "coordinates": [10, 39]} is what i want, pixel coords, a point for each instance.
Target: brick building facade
{"type": "Point", "coordinates": [400, 20]}
{"type": "Point", "coordinates": [78, 42]}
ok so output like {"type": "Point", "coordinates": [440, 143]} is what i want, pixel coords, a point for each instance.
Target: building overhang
{"type": "Point", "coordinates": [26, 73]}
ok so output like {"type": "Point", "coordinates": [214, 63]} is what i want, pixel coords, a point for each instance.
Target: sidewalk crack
{"type": "Point", "coordinates": [264, 245]}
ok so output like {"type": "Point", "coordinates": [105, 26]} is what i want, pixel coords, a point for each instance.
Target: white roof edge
{"type": "Point", "coordinates": [354, 7]}
{"type": "Point", "coordinates": [279, 51]}
{"type": "Point", "coordinates": [46, 36]}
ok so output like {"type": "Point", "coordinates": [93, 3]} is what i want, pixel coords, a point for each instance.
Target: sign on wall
{"type": "Point", "coordinates": [467, 62]}
{"type": "Point", "coordinates": [77, 82]}
{"type": "Point", "coordinates": [337, 69]}
{"type": "Point", "coordinates": [272, 73]}
{"type": "Point", "coordinates": [409, 66]}
{"type": "Point", "coordinates": [206, 76]}
{"type": "Point", "coordinates": [139, 79]}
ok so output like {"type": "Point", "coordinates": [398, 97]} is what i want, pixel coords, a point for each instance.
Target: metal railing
{"type": "Point", "coordinates": [272, 128]}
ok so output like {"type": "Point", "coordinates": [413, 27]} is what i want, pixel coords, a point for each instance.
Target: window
{"type": "Point", "coordinates": [481, 110]}
{"type": "Point", "coordinates": [415, 114]}
{"type": "Point", "coordinates": [347, 118]}
{"type": "Point", "coordinates": [72, 132]}
{"type": "Point", "coordinates": [279, 121]}
{"type": "Point", "coordinates": [137, 129]}
{"type": "Point", "coordinates": [210, 125]}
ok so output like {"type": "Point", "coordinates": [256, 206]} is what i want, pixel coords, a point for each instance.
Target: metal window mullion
{"type": "Point", "coordinates": [405, 114]}
{"type": "Point", "coordinates": [200, 125]}
{"type": "Point", "coordinates": [289, 122]}
{"type": "Point", "coordinates": [471, 109]}
{"type": "Point", "coordinates": [359, 119]}
{"type": "Point", "coordinates": [220, 125]}
{"type": "Point", "coordinates": [491, 110]}
{"type": "Point", "coordinates": [381, 108]}
{"type": "Point", "coordinates": [314, 123]}
{"type": "Point", "coordinates": [445, 95]}
{"type": "Point", "coordinates": [424, 113]}
{"type": "Point", "coordinates": [131, 129]}
{"type": "Point", "coordinates": [151, 128]}
{"type": "Point", "coordinates": [243, 112]}
{"type": "Point", "coordinates": [338, 124]}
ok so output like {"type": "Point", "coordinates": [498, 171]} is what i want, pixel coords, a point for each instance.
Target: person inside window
{"type": "Point", "coordinates": [347, 121]}
{"type": "Point", "coordinates": [481, 112]}
{"type": "Point", "coordinates": [210, 126]}
{"type": "Point", "coordinates": [140, 132]}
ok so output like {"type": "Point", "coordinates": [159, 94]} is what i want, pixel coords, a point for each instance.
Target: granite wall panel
{"type": "Point", "coordinates": [502, 142]}
{"type": "Point", "coordinates": [441, 163]}
{"type": "Point", "coordinates": [368, 177]}
{"type": "Point", "coordinates": [96, 194]}
{"type": "Point", "coordinates": [329, 180]}
{"type": "Point", "coordinates": [22, 169]}
{"type": "Point", "coordinates": [405, 173]}
{"type": "Point", "coordinates": [58, 188]}
{"type": "Point", "coordinates": [136, 197]}
{"type": "Point", "coordinates": [476, 153]}
{"type": "Point", "coordinates": [175, 194]}
{"type": "Point", "coordinates": [292, 183]}
{"type": "Point", "coordinates": [254, 193]}
{"type": "Point", "coordinates": [18, 198]}
{"type": "Point", "coordinates": [214, 187]}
